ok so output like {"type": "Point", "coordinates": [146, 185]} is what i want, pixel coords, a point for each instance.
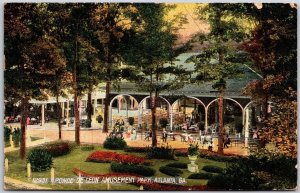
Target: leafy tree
{"type": "Point", "coordinates": [149, 50]}
{"type": "Point", "coordinates": [215, 63]}
{"type": "Point", "coordinates": [30, 56]}
{"type": "Point", "coordinates": [273, 49]}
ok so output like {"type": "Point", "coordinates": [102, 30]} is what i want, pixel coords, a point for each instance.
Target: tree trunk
{"type": "Point", "coordinates": [24, 115]}
{"type": "Point", "coordinates": [106, 105]}
{"type": "Point", "coordinates": [221, 127]}
{"type": "Point", "coordinates": [58, 117]}
{"type": "Point", "coordinates": [89, 106]}
{"type": "Point", "coordinates": [153, 102]}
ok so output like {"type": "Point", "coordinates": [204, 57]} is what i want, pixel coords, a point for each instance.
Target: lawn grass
{"type": "Point", "coordinates": [76, 159]}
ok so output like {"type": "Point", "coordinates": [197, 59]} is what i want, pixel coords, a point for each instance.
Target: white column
{"type": "Point", "coordinates": [206, 119]}
{"type": "Point", "coordinates": [95, 106]}
{"type": "Point", "coordinates": [43, 115]}
{"type": "Point", "coordinates": [110, 116]}
{"type": "Point", "coordinates": [79, 108]}
{"type": "Point", "coordinates": [243, 116]}
{"type": "Point", "coordinates": [67, 113]}
{"type": "Point", "coordinates": [62, 110]}
{"type": "Point", "coordinates": [171, 117]}
{"type": "Point", "coordinates": [247, 127]}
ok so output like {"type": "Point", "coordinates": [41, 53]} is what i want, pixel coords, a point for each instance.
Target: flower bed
{"type": "Point", "coordinates": [108, 156]}
{"type": "Point", "coordinates": [147, 185]}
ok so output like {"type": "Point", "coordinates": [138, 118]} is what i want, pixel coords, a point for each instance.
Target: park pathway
{"type": "Point", "coordinates": [13, 184]}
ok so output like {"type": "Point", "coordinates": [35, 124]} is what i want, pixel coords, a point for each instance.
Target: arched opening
{"type": "Point", "coordinates": [122, 107]}
{"type": "Point", "coordinates": [188, 112]}
{"type": "Point", "coordinates": [232, 117]}
{"type": "Point", "coordinates": [162, 111]}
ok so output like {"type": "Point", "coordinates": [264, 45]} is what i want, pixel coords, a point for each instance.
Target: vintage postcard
{"type": "Point", "coordinates": [150, 96]}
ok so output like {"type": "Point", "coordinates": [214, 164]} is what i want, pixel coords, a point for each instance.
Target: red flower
{"type": "Point", "coordinates": [108, 156]}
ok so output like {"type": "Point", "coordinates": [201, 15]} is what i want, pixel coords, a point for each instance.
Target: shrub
{"type": "Point", "coordinates": [170, 171]}
{"type": "Point", "coordinates": [220, 182]}
{"type": "Point", "coordinates": [181, 152]}
{"type": "Point", "coordinates": [163, 122]}
{"type": "Point", "coordinates": [135, 149]}
{"type": "Point", "coordinates": [87, 147]}
{"type": "Point", "coordinates": [160, 153]}
{"type": "Point", "coordinates": [201, 176]}
{"type": "Point", "coordinates": [131, 120]}
{"type": "Point", "coordinates": [7, 132]}
{"type": "Point", "coordinates": [216, 157]}
{"type": "Point", "coordinates": [88, 123]}
{"type": "Point", "coordinates": [99, 119]}
{"type": "Point", "coordinates": [39, 159]}
{"type": "Point", "coordinates": [114, 143]}
{"type": "Point", "coordinates": [57, 148]}
{"type": "Point", "coordinates": [134, 169]}
{"type": "Point", "coordinates": [213, 169]}
{"type": "Point", "coordinates": [16, 136]}
{"type": "Point", "coordinates": [177, 165]}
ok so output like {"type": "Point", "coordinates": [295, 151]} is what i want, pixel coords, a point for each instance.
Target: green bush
{"type": "Point", "coordinates": [177, 165]}
{"type": "Point", "coordinates": [213, 169]}
{"type": "Point", "coordinates": [114, 143]}
{"type": "Point", "coordinates": [160, 153]}
{"type": "Point", "coordinates": [170, 171]}
{"type": "Point", "coordinates": [16, 136]}
{"type": "Point", "coordinates": [220, 182]}
{"type": "Point", "coordinates": [163, 122]}
{"type": "Point", "coordinates": [40, 160]}
{"type": "Point", "coordinates": [88, 123]}
{"type": "Point", "coordinates": [201, 176]}
{"type": "Point", "coordinates": [135, 149]}
{"type": "Point", "coordinates": [131, 120]}
{"type": "Point", "coordinates": [7, 132]}
{"type": "Point", "coordinates": [57, 148]}
{"type": "Point", "coordinates": [99, 119]}
{"type": "Point", "coordinates": [87, 147]}
{"type": "Point", "coordinates": [134, 169]}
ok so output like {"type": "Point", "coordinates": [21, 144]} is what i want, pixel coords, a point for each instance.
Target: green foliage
{"type": "Point", "coordinates": [220, 182]}
{"type": "Point", "coordinates": [114, 143]}
{"type": "Point", "coordinates": [163, 122]}
{"type": "Point", "coordinates": [171, 171]}
{"type": "Point", "coordinates": [7, 132]}
{"type": "Point", "coordinates": [56, 149]}
{"type": "Point", "coordinates": [213, 169]}
{"type": "Point", "coordinates": [99, 119]}
{"type": "Point", "coordinates": [16, 136]}
{"type": "Point", "coordinates": [131, 120]}
{"type": "Point", "coordinates": [177, 165]}
{"type": "Point", "coordinates": [160, 153]}
{"type": "Point", "coordinates": [136, 149]}
{"type": "Point", "coordinates": [39, 159]}
{"type": "Point", "coordinates": [133, 169]}
{"type": "Point", "coordinates": [193, 149]}
{"type": "Point", "coordinates": [87, 147]}
{"type": "Point", "coordinates": [201, 176]}
{"type": "Point", "coordinates": [216, 157]}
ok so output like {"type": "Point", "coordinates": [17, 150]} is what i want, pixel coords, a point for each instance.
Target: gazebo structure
{"type": "Point", "coordinates": [197, 102]}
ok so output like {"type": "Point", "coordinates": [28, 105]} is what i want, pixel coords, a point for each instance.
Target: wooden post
{"type": "Point", "coordinates": [52, 175]}
{"type": "Point", "coordinates": [11, 141]}
{"type": "Point", "coordinates": [141, 187]}
{"type": "Point", "coordinates": [79, 181]}
{"type": "Point", "coordinates": [6, 165]}
{"type": "Point", "coordinates": [28, 170]}
{"type": "Point", "coordinates": [107, 185]}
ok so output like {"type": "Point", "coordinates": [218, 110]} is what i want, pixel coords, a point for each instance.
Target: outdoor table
{"type": "Point", "coordinates": [171, 135]}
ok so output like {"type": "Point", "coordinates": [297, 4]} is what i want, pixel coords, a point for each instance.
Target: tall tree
{"type": "Point", "coordinates": [215, 62]}
{"type": "Point", "coordinates": [273, 49]}
{"type": "Point", "coordinates": [149, 50]}
{"type": "Point", "coordinates": [30, 56]}
{"type": "Point", "coordinates": [111, 22]}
